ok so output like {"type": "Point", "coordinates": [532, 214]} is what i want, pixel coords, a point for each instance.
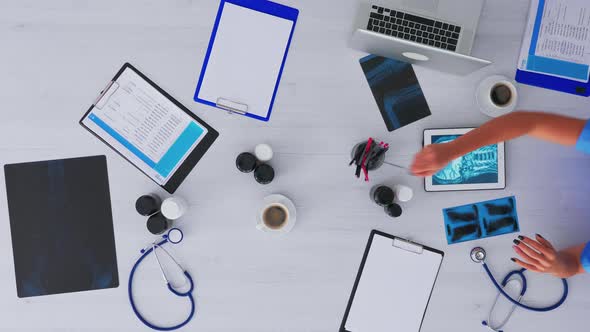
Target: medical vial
{"type": "Point", "coordinates": [393, 210]}
{"type": "Point", "coordinates": [382, 195]}
{"type": "Point", "coordinates": [157, 224]}
{"type": "Point", "coordinates": [147, 205]}
{"type": "Point", "coordinates": [264, 174]}
{"type": "Point", "coordinates": [246, 162]}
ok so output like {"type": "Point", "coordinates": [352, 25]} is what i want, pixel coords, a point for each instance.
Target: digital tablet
{"type": "Point", "coordinates": [149, 128]}
{"type": "Point", "coordinates": [481, 169]}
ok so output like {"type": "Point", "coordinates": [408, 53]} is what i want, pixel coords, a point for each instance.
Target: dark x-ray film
{"type": "Point", "coordinates": [480, 220]}
{"type": "Point", "coordinates": [61, 226]}
{"type": "Point", "coordinates": [396, 90]}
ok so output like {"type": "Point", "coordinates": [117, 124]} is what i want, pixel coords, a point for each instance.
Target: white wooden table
{"type": "Point", "coordinates": [56, 55]}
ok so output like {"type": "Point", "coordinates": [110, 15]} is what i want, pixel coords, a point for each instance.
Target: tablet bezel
{"type": "Point", "coordinates": [501, 184]}
{"type": "Point", "coordinates": [194, 156]}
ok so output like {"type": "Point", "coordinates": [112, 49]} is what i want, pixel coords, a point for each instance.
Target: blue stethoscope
{"type": "Point", "coordinates": [173, 236]}
{"type": "Point", "coordinates": [478, 255]}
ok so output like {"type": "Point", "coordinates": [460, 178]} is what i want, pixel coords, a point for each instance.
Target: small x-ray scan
{"type": "Point", "coordinates": [480, 220]}
{"type": "Point", "coordinates": [483, 168]}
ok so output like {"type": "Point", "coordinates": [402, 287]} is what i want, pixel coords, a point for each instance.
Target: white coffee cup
{"type": "Point", "coordinates": [277, 215]}
{"type": "Point", "coordinates": [173, 208]}
{"type": "Point", "coordinates": [496, 96]}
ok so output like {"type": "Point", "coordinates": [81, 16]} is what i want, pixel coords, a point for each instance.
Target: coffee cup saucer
{"type": "Point", "coordinates": [277, 199]}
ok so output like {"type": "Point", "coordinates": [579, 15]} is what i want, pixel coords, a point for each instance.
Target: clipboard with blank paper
{"type": "Point", "coordinates": [393, 286]}
{"type": "Point", "coordinates": [246, 56]}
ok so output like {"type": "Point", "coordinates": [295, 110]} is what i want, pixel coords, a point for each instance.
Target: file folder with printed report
{"type": "Point", "coordinates": [555, 51]}
{"type": "Point", "coordinates": [392, 287]}
{"type": "Point", "coordinates": [246, 56]}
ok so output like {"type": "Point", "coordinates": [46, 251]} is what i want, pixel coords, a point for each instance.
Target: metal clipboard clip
{"type": "Point", "coordinates": [408, 245]}
{"type": "Point", "coordinates": [232, 106]}
{"type": "Point", "coordinates": [105, 94]}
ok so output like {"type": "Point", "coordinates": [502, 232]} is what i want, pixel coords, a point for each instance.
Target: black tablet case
{"type": "Point", "coordinates": [61, 226]}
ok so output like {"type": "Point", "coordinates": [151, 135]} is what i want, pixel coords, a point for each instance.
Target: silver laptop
{"type": "Point", "coordinates": [438, 34]}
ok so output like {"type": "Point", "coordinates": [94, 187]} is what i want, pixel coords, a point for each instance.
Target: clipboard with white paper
{"type": "Point", "coordinates": [149, 128]}
{"type": "Point", "coordinates": [246, 56]}
{"type": "Point", "coordinates": [393, 286]}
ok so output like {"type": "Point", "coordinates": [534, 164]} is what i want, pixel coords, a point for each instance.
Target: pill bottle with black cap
{"type": "Point", "coordinates": [382, 195]}
{"type": "Point", "coordinates": [157, 224]}
{"type": "Point", "coordinates": [246, 162]}
{"type": "Point", "coordinates": [264, 174]}
{"type": "Point", "coordinates": [393, 210]}
{"type": "Point", "coordinates": [147, 205]}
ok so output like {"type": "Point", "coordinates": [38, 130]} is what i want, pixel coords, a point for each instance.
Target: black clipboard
{"type": "Point", "coordinates": [362, 266]}
{"type": "Point", "coordinates": [191, 160]}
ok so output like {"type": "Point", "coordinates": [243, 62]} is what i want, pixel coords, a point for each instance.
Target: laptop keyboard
{"type": "Point", "coordinates": [414, 28]}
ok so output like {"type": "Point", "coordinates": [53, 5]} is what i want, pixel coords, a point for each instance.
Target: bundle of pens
{"type": "Point", "coordinates": [368, 156]}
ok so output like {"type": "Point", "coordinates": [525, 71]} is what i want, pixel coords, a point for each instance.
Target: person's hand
{"type": "Point", "coordinates": [432, 159]}
{"type": "Point", "coordinates": [540, 256]}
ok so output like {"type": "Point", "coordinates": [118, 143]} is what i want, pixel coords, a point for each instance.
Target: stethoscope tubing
{"type": "Point", "coordinates": [187, 294]}
{"type": "Point", "coordinates": [520, 304]}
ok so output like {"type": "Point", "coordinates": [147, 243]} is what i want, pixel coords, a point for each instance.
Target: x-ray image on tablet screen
{"type": "Point", "coordinates": [479, 166]}
{"type": "Point", "coordinates": [480, 169]}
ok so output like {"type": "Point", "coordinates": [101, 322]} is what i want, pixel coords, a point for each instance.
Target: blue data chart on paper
{"type": "Point", "coordinates": [557, 39]}
{"type": "Point", "coordinates": [480, 220]}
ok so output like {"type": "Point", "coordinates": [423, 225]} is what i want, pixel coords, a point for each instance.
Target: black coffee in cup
{"type": "Point", "coordinates": [275, 216]}
{"type": "Point", "coordinates": [501, 95]}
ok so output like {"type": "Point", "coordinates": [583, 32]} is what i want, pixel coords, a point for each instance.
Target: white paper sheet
{"type": "Point", "coordinates": [394, 289]}
{"type": "Point", "coordinates": [246, 58]}
{"type": "Point", "coordinates": [145, 126]}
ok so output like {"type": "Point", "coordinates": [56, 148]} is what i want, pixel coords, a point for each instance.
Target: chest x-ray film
{"type": "Point", "coordinates": [480, 220]}
{"type": "Point", "coordinates": [481, 169]}
{"type": "Point", "coordinates": [61, 226]}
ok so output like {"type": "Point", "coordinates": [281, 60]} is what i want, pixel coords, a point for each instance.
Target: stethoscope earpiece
{"type": "Point", "coordinates": [173, 236]}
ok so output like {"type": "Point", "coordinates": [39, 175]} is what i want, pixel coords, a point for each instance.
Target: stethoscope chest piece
{"type": "Point", "coordinates": [174, 236]}
{"type": "Point", "coordinates": [478, 255]}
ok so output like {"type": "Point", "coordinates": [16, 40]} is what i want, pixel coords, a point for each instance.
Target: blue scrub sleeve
{"type": "Point", "coordinates": [583, 143]}
{"type": "Point", "coordinates": [585, 258]}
